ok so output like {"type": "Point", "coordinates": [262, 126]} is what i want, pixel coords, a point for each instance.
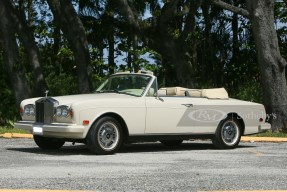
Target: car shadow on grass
{"type": "Point", "coordinates": [150, 147]}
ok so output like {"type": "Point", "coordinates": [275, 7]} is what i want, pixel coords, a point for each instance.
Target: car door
{"type": "Point", "coordinates": [168, 115]}
{"type": "Point", "coordinates": [206, 115]}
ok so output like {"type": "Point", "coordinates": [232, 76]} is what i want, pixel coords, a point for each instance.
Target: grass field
{"type": "Point", "coordinates": [270, 134]}
{"type": "Point", "coordinates": [10, 130]}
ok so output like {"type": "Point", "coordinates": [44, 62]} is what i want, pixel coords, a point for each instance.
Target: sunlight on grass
{"type": "Point", "coordinates": [270, 134]}
{"type": "Point", "coordinates": [11, 130]}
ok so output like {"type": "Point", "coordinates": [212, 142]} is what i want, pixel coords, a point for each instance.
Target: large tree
{"type": "Point", "coordinates": [179, 50]}
{"type": "Point", "coordinates": [272, 65]}
{"type": "Point", "coordinates": [170, 33]}
{"type": "Point", "coordinates": [19, 22]}
{"type": "Point", "coordinates": [12, 61]}
{"type": "Point", "coordinates": [73, 29]}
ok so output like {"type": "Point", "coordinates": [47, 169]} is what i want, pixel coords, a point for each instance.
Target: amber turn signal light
{"type": "Point", "coordinates": [86, 122]}
{"type": "Point", "coordinates": [21, 110]}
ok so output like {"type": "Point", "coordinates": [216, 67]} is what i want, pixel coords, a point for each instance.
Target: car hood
{"type": "Point", "coordinates": [70, 99]}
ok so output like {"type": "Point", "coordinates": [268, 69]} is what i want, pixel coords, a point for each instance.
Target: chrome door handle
{"type": "Point", "coordinates": [188, 105]}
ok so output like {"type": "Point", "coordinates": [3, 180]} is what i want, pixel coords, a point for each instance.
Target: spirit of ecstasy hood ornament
{"type": "Point", "coordinates": [46, 93]}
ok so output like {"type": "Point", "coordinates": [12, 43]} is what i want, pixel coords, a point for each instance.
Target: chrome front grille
{"type": "Point", "coordinates": [45, 110]}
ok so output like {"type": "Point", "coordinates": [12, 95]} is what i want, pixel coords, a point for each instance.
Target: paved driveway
{"type": "Point", "coordinates": [192, 166]}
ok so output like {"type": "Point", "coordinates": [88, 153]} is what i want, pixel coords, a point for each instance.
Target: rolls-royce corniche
{"type": "Point", "coordinates": [129, 107]}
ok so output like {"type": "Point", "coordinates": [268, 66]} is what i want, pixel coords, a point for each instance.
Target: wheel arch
{"type": "Point", "coordinates": [219, 140]}
{"type": "Point", "coordinates": [119, 119]}
{"type": "Point", "coordinates": [234, 115]}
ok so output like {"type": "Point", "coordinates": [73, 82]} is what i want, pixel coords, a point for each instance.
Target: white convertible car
{"type": "Point", "coordinates": [129, 107]}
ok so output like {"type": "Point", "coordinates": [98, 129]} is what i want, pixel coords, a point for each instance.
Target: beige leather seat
{"type": "Point", "coordinates": [216, 93]}
{"type": "Point", "coordinates": [174, 91]}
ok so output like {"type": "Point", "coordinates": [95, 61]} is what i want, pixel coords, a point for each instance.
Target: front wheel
{"type": "Point", "coordinates": [228, 134]}
{"type": "Point", "coordinates": [48, 143]}
{"type": "Point", "coordinates": [105, 136]}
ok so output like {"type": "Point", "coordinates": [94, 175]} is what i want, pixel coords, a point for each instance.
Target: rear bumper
{"type": "Point", "coordinates": [59, 130]}
{"type": "Point", "coordinates": [264, 127]}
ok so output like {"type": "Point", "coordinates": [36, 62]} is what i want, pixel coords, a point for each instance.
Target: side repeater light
{"type": "Point", "coordinates": [86, 122]}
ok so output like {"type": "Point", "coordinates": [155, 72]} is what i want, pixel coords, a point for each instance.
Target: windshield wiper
{"type": "Point", "coordinates": [114, 91]}
{"type": "Point", "coordinates": [108, 91]}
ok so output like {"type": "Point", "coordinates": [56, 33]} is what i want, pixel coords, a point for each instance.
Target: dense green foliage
{"type": "Point", "coordinates": [8, 108]}
{"type": "Point", "coordinates": [219, 49]}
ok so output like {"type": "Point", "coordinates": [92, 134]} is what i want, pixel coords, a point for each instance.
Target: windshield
{"type": "Point", "coordinates": [132, 84]}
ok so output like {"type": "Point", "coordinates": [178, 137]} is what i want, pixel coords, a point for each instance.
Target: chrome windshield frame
{"type": "Point", "coordinates": [149, 84]}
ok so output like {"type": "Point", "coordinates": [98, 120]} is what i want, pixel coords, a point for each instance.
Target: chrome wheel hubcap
{"type": "Point", "coordinates": [230, 133]}
{"type": "Point", "coordinates": [108, 136]}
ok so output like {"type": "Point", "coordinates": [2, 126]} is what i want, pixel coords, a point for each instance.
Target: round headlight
{"type": "Point", "coordinates": [65, 112]}
{"type": "Point", "coordinates": [32, 110]}
{"type": "Point", "coordinates": [59, 111]}
{"type": "Point", "coordinates": [29, 110]}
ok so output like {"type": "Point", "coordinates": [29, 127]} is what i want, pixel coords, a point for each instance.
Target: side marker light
{"type": "Point", "coordinates": [86, 122]}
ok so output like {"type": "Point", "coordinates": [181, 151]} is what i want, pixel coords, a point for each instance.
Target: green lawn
{"type": "Point", "coordinates": [270, 134]}
{"type": "Point", "coordinates": [4, 129]}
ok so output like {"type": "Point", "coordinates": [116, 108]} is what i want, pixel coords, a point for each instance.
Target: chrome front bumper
{"type": "Point", "coordinates": [59, 130]}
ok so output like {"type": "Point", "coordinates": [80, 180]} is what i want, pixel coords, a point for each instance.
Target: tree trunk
{"type": "Point", "coordinates": [186, 57]}
{"type": "Point", "coordinates": [11, 56]}
{"type": "Point", "coordinates": [272, 65]}
{"type": "Point", "coordinates": [56, 38]}
{"type": "Point", "coordinates": [136, 66]}
{"type": "Point", "coordinates": [235, 45]}
{"type": "Point", "coordinates": [111, 42]}
{"type": "Point", "coordinates": [174, 52]}
{"type": "Point", "coordinates": [27, 38]}
{"type": "Point", "coordinates": [73, 29]}
{"type": "Point", "coordinates": [129, 55]}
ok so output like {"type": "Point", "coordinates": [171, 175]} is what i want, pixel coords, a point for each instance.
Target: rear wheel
{"type": "Point", "coordinates": [105, 136]}
{"type": "Point", "coordinates": [171, 143]}
{"type": "Point", "coordinates": [48, 143]}
{"type": "Point", "coordinates": [228, 134]}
